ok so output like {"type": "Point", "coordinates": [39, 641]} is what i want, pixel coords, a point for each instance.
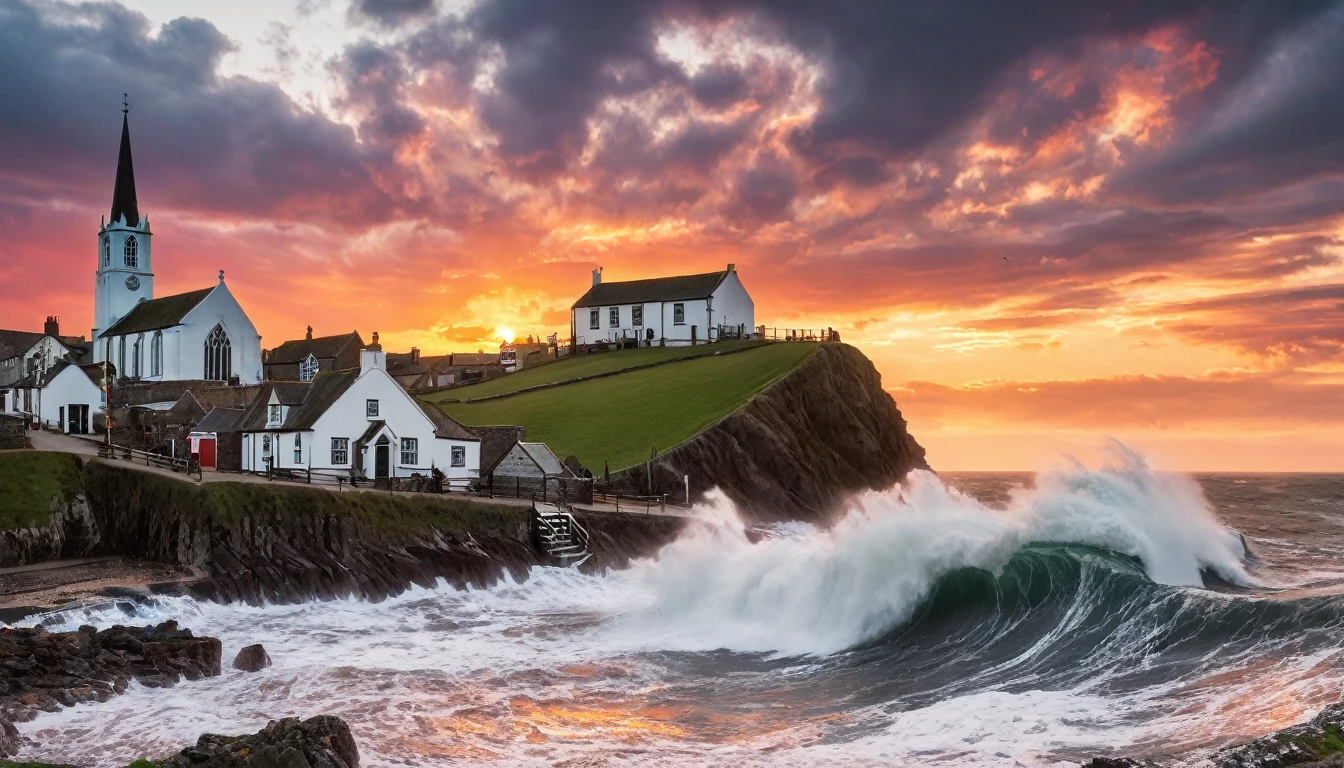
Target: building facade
{"type": "Point", "coordinates": [355, 423]}
{"type": "Point", "coordinates": [684, 309]}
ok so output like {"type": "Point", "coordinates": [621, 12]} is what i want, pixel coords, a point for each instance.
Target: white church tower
{"type": "Point", "coordinates": [125, 274]}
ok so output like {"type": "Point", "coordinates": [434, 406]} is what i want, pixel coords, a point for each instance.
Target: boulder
{"type": "Point", "coordinates": [1315, 742]}
{"type": "Point", "coordinates": [318, 742]}
{"type": "Point", "coordinates": [253, 658]}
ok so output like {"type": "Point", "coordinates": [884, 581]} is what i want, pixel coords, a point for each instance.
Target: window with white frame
{"type": "Point", "coordinates": [156, 354]}
{"type": "Point", "coordinates": [107, 252]}
{"type": "Point", "coordinates": [218, 355]}
{"type": "Point", "coordinates": [410, 451]}
{"type": "Point", "coordinates": [131, 252]}
{"type": "Point", "coordinates": [459, 456]}
{"type": "Point", "coordinates": [135, 356]}
{"type": "Point", "coordinates": [266, 444]}
{"type": "Point", "coordinates": [273, 415]}
{"type": "Point", "coordinates": [593, 319]}
{"type": "Point", "coordinates": [614, 317]}
{"type": "Point", "coordinates": [308, 369]}
{"type": "Point", "coordinates": [298, 448]}
{"type": "Point", "coordinates": [637, 315]}
{"type": "Point", "coordinates": [679, 314]}
{"type": "Point", "coordinates": [340, 450]}
{"type": "Point", "coordinates": [371, 408]}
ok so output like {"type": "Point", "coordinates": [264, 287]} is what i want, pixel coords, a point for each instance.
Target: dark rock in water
{"type": "Point", "coordinates": [253, 658]}
{"type": "Point", "coordinates": [798, 450]}
{"type": "Point", "coordinates": [1314, 743]}
{"type": "Point", "coordinates": [318, 742]}
{"type": "Point", "coordinates": [44, 671]}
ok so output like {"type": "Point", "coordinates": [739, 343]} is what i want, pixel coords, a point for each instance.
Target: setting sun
{"type": "Point", "coordinates": [506, 334]}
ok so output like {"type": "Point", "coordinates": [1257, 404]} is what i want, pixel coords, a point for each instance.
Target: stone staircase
{"type": "Point", "coordinates": [558, 537]}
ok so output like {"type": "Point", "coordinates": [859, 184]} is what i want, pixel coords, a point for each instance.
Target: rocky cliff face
{"type": "Point", "coordinates": [258, 542]}
{"type": "Point", "coordinates": [800, 448]}
{"type": "Point", "coordinates": [71, 533]}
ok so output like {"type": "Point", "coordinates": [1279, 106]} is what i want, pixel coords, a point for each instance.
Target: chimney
{"type": "Point", "coordinates": [732, 267]}
{"type": "Point", "coordinates": [597, 276]}
{"type": "Point", "coordinates": [309, 337]}
{"type": "Point", "coordinates": [372, 356]}
{"type": "Point", "coordinates": [53, 326]}
{"type": "Point", "coordinates": [415, 355]}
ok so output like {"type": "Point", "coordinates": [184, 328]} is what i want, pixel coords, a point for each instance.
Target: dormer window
{"type": "Point", "coordinates": [308, 369]}
{"type": "Point", "coordinates": [131, 251]}
{"type": "Point", "coordinates": [273, 415]}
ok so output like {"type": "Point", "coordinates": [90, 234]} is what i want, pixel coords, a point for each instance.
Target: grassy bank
{"type": "Point", "coordinates": [28, 481]}
{"type": "Point", "coordinates": [580, 367]}
{"type": "Point", "coordinates": [618, 419]}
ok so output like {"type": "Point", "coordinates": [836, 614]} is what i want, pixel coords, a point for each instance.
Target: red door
{"type": "Point", "coordinates": [208, 452]}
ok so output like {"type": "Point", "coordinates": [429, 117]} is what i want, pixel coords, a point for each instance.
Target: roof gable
{"type": "Point", "coordinates": [677, 288]}
{"type": "Point", "coordinates": [155, 314]}
{"type": "Point", "coordinates": [445, 426]}
{"type": "Point", "coordinates": [322, 348]}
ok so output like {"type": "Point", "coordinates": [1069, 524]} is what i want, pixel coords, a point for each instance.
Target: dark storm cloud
{"type": "Point", "coordinates": [1276, 125]}
{"type": "Point", "coordinates": [719, 86]}
{"type": "Point", "coordinates": [392, 12]}
{"type": "Point", "coordinates": [219, 145]}
{"type": "Point", "coordinates": [374, 82]}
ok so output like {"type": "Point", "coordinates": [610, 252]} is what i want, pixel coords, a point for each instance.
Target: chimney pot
{"type": "Point", "coordinates": [53, 326]}
{"type": "Point", "coordinates": [310, 333]}
{"type": "Point", "coordinates": [597, 276]}
{"type": "Point", "coordinates": [732, 267]}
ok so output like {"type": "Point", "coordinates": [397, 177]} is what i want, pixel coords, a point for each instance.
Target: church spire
{"type": "Point", "coordinates": [123, 193]}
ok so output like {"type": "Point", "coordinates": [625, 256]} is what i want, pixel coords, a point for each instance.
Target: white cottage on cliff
{"type": "Point", "coordinates": [684, 309]}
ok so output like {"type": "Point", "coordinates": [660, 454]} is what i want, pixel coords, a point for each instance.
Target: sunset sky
{"type": "Point", "coordinates": [1045, 222]}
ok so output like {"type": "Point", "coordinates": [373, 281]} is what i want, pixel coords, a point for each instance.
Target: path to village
{"type": "Point", "coordinates": [50, 441]}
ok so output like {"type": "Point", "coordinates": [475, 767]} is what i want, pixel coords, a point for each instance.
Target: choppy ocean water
{"type": "Point", "coordinates": [973, 619]}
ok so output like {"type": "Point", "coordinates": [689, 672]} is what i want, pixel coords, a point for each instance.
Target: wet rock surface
{"type": "Point", "coordinates": [318, 742]}
{"type": "Point", "coordinates": [1318, 742]}
{"type": "Point", "coordinates": [798, 450]}
{"type": "Point", "coordinates": [253, 658]}
{"type": "Point", "coordinates": [44, 671]}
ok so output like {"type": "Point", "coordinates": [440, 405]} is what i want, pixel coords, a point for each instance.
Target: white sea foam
{"type": "Point", "coordinates": [827, 590]}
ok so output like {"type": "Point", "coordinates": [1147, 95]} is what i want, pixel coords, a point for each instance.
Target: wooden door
{"type": "Point", "coordinates": [207, 452]}
{"type": "Point", "coordinates": [381, 459]}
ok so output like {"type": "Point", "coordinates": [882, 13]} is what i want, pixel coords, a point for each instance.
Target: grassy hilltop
{"type": "Point", "coordinates": [618, 419]}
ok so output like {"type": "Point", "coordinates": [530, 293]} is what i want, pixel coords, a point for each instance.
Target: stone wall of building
{"type": "Point", "coordinates": [12, 432]}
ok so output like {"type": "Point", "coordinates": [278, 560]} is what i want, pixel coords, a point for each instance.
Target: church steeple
{"type": "Point", "coordinates": [123, 193]}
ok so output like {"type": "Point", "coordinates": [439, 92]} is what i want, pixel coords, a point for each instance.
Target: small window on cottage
{"type": "Point", "coordinates": [340, 450]}
{"type": "Point", "coordinates": [593, 316]}
{"type": "Point", "coordinates": [614, 317]}
{"type": "Point", "coordinates": [371, 408]}
{"type": "Point", "coordinates": [298, 448]}
{"type": "Point", "coordinates": [308, 369]}
{"type": "Point", "coordinates": [679, 314]}
{"type": "Point", "coordinates": [410, 451]}
{"type": "Point", "coordinates": [266, 444]}
{"type": "Point", "coordinates": [637, 315]}
{"type": "Point", "coordinates": [273, 415]}
{"type": "Point", "coordinates": [459, 456]}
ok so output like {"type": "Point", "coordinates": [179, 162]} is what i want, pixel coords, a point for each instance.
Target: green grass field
{"type": "Point", "coordinates": [28, 480]}
{"type": "Point", "coordinates": [579, 367]}
{"type": "Point", "coordinates": [618, 419]}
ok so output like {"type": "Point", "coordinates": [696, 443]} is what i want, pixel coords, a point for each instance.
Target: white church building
{"type": "Point", "coordinates": [201, 335]}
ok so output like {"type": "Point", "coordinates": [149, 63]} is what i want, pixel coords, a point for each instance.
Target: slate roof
{"type": "Point", "coordinates": [322, 348]}
{"type": "Point", "coordinates": [93, 370]}
{"type": "Point", "coordinates": [123, 190]}
{"type": "Point", "coordinates": [678, 288]}
{"type": "Point", "coordinates": [446, 426]}
{"type": "Point", "coordinates": [545, 458]}
{"type": "Point", "coordinates": [20, 340]}
{"type": "Point", "coordinates": [155, 314]}
{"type": "Point", "coordinates": [221, 420]}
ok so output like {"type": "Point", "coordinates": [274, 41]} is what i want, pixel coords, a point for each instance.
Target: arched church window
{"type": "Point", "coordinates": [132, 252]}
{"type": "Point", "coordinates": [218, 355]}
{"type": "Point", "coordinates": [135, 356]}
{"type": "Point", "coordinates": [121, 356]}
{"type": "Point", "coordinates": [308, 369]}
{"type": "Point", "coordinates": [107, 252]}
{"type": "Point", "coordinates": [156, 354]}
